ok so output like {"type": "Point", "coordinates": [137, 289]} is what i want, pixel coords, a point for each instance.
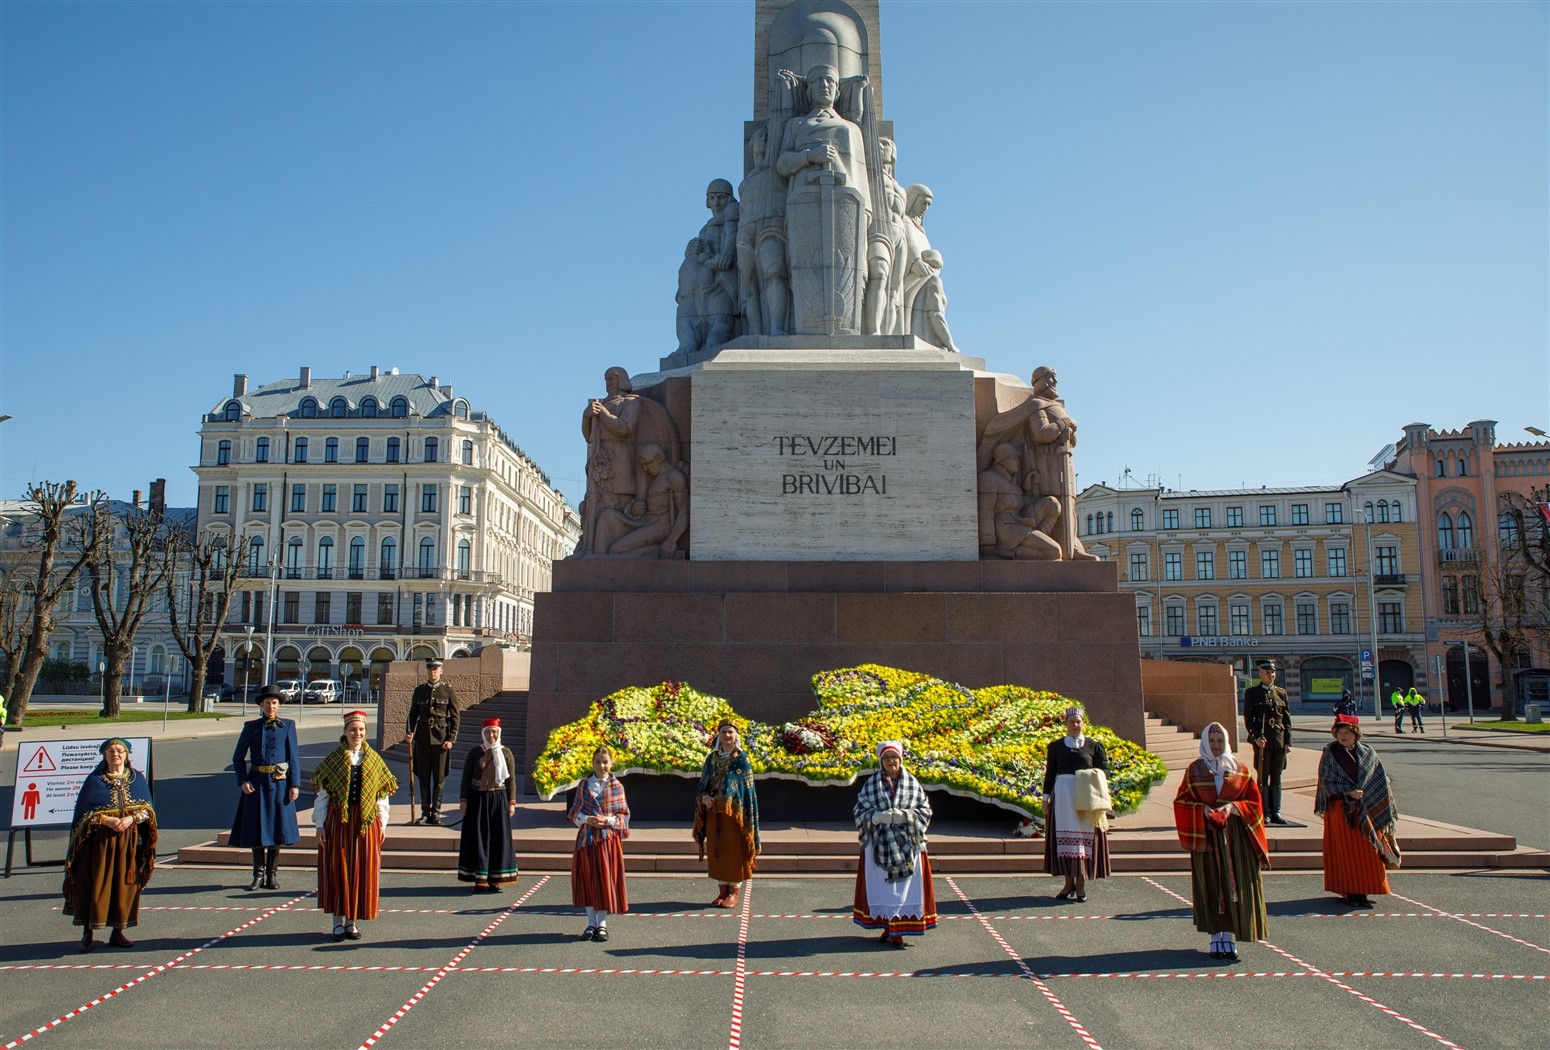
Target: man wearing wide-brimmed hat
{"type": "Point", "coordinates": [267, 761]}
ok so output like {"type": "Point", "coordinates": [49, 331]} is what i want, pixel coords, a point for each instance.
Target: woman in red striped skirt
{"type": "Point", "coordinates": [1359, 814]}
{"type": "Point", "coordinates": [602, 814]}
{"type": "Point", "coordinates": [351, 813]}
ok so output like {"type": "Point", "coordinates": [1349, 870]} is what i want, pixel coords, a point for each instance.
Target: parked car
{"type": "Point", "coordinates": [291, 690]}
{"type": "Point", "coordinates": [323, 691]}
{"type": "Point", "coordinates": [217, 691]}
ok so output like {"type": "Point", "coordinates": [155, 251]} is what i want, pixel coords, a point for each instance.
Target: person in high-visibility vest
{"type": "Point", "coordinates": [4, 714]}
{"type": "Point", "coordinates": [1398, 701]}
{"type": "Point", "coordinates": [1415, 701]}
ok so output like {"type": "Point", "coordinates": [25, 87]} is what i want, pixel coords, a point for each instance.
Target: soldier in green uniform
{"type": "Point", "coordinates": [431, 730]}
{"type": "Point", "coordinates": [1268, 720]}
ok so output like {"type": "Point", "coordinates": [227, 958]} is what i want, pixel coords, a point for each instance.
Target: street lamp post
{"type": "Point", "coordinates": [247, 671]}
{"type": "Point", "coordinates": [306, 679]}
{"type": "Point", "coordinates": [102, 681]}
{"type": "Point", "coordinates": [1372, 619]}
{"type": "Point", "coordinates": [274, 588]}
{"type": "Point", "coordinates": [1469, 688]}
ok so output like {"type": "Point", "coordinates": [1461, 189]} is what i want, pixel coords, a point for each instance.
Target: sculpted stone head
{"type": "Point", "coordinates": [617, 381]}
{"type": "Point", "coordinates": [718, 195]}
{"type": "Point", "coordinates": [759, 144]}
{"type": "Point", "coordinates": [917, 199]}
{"type": "Point", "coordinates": [1007, 456]}
{"type": "Point", "coordinates": [823, 85]}
{"type": "Point", "coordinates": [652, 459]}
{"type": "Point", "coordinates": [887, 153]}
{"type": "Point", "coordinates": [1043, 380]}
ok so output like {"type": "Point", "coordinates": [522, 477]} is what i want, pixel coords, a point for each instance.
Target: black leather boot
{"type": "Point", "coordinates": [271, 867]}
{"type": "Point", "coordinates": [258, 868]}
{"type": "Point", "coordinates": [435, 806]}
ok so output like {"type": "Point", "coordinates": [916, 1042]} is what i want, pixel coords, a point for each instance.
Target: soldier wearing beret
{"type": "Point", "coordinates": [1268, 720]}
{"type": "Point", "coordinates": [431, 730]}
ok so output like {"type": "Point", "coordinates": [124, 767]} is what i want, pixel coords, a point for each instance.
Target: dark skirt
{"type": "Point", "coordinates": [1227, 890]}
{"type": "Point", "coordinates": [265, 818]}
{"type": "Point", "coordinates": [485, 853]}
{"type": "Point", "coordinates": [1094, 867]}
{"type": "Point", "coordinates": [101, 887]}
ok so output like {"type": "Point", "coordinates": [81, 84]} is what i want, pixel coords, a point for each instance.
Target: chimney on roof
{"type": "Point", "coordinates": [158, 504]}
{"type": "Point", "coordinates": [306, 377]}
{"type": "Point", "coordinates": [239, 385]}
{"type": "Point", "coordinates": [447, 390]}
{"type": "Point", "coordinates": [375, 372]}
{"type": "Point", "coordinates": [134, 500]}
{"type": "Point", "coordinates": [434, 384]}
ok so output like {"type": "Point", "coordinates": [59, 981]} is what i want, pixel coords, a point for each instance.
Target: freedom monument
{"type": "Point", "coordinates": [816, 476]}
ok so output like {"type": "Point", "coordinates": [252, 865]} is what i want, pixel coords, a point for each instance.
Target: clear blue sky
{"type": "Point", "coordinates": [1255, 238]}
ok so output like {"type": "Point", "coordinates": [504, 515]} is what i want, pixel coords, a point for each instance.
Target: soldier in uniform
{"type": "Point", "coordinates": [1268, 720]}
{"type": "Point", "coordinates": [431, 730]}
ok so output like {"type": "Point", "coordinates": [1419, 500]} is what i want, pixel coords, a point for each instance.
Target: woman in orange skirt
{"type": "Point", "coordinates": [351, 814]}
{"type": "Point", "coordinates": [602, 815]}
{"type": "Point", "coordinates": [1359, 815]}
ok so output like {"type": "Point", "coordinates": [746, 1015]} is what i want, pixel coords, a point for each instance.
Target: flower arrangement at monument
{"type": "Point", "coordinates": [987, 743]}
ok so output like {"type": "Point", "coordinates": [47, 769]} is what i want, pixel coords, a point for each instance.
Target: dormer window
{"type": "Point", "coordinates": [460, 408]}
{"type": "Point", "coordinates": [233, 411]}
{"type": "Point", "coordinates": [400, 407]}
{"type": "Point", "coordinates": [369, 408]}
{"type": "Point", "coordinates": [338, 408]}
{"type": "Point", "coordinates": [309, 408]}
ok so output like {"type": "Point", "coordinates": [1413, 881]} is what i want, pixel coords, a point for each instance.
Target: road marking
{"type": "Point", "coordinates": [1023, 966]}
{"type": "Point", "coordinates": [740, 972]}
{"type": "Point", "coordinates": [1476, 925]}
{"type": "Point", "coordinates": [398, 1015]}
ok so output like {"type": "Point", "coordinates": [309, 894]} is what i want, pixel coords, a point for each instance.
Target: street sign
{"type": "Point", "coordinates": [1366, 675]}
{"type": "Point", "coordinates": [1366, 656]}
{"type": "Point", "coordinates": [49, 775]}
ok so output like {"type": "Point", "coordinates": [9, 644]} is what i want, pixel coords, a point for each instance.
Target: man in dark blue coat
{"type": "Point", "coordinates": [267, 762]}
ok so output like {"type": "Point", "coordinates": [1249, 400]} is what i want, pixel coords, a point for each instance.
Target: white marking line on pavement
{"type": "Point", "coordinates": [740, 972]}
{"type": "Point", "coordinates": [154, 971]}
{"type": "Point", "coordinates": [1182, 900]}
{"type": "Point", "coordinates": [1466, 922]}
{"type": "Point", "coordinates": [1023, 966]}
{"type": "Point", "coordinates": [398, 1015]}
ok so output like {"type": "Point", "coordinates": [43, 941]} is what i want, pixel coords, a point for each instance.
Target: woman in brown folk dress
{"type": "Point", "coordinates": [112, 847]}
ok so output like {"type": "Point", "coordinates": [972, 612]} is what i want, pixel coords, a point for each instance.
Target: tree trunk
{"type": "Point", "coordinates": [196, 672]}
{"type": "Point", "coordinates": [113, 681]}
{"type": "Point", "coordinates": [32, 663]}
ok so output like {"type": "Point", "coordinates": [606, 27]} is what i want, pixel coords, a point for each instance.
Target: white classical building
{"type": "Point", "coordinates": [384, 519]}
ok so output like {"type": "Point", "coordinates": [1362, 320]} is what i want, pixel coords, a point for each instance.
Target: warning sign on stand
{"type": "Point", "coordinates": [49, 775]}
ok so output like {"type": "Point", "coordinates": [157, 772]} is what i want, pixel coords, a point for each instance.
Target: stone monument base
{"type": "Point", "coordinates": [756, 632]}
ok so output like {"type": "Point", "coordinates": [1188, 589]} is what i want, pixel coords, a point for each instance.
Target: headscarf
{"type": "Point", "coordinates": [493, 749]}
{"type": "Point", "coordinates": [737, 744]}
{"type": "Point", "coordinates": [1219, 766]}
{"type": "Point", "coordinates": [890, 745]}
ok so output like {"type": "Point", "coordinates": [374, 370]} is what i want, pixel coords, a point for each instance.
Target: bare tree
{"type": "Point", "coordinates": [211, 571]}
{"type": "Point", "coordinates": [54, 577]}
{"type": "Point", "coordinates": [126, 563]}
{"type": "Point", "coordinates": [15, 617]}
{"type": "Point", "coordinates": [1512, 587]}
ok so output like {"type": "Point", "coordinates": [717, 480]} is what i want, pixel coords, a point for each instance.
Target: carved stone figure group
{"type": "Point", "coordinates": [637, 502]}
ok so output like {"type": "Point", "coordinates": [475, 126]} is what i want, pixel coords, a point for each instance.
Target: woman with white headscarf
{"type": "Point", "coordinates": [1221, 821]}
{"type": "Point", "coordinates": [893, 881]}
{"type": "Point", "coordinates": [488, 801]}
{"type": "Point", "coordinates": [1076, 840]}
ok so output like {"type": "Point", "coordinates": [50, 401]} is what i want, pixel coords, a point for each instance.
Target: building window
{"type": "Point", "coordinates": [1110, 526]}
{"type": "Point", "coordinates": [1270, 565]}
{"type": "Point", "coordinates": [1307, 618]}
{"type": "Point", "coordinates": [428, 499]}
{"type": "Point", "coordinates": [256, 556]}
{"type": "Point", "coordinates": [399, 408]}
{"type": "Point", "coordinates": [1302, 564]}
{"type": "Point", "coordinates": [326, 558]}
{"type": "Point", "coordinates": [331, 450]}
{"type": "Point", "coordinates": [1471, 595]}
{"type": "Point", "coordinates": [1235, 517]}
{"type": "Point", "coordinates": [233, 411]}
{"type": "Point", "coordinates": [222, 499]}
{"type": "Point", "coordinates": [1367, 513]}
{"type": "Point", "coordinates": [1339, 618]}
{"type": "Point", "coordinates": [1394, 511]}
{"type": "Point", "coordinates": [1144, 621]}
{"type": "Point", "coordinates": [261, 451]}
{"type": "Point", "coordinates": [1202, 517]}
{"type": "Point", "coordinates": [1173, 567]}
{"type": "Point", "coordinates": [298, 499]}
{"type": "Point", "coordinates": [358, 500]}
{"type": "Point", "coordinates": [1391, 617]}
{"type": "Point", "coordinates": [1170, 519]}
{"type": "Point", "coordinates": [465, 499]}
{"type": "Point", "coordinates": [1205, 620]}
{"type": "Point", "coordinates": [1444, 531]}
{"type": "Point", "coordinates": [338, 408]}
{"type": "Point", "coordinates": [432, 450]}
{"type": "Point", "coordinates": [385, 607]}
{"type": "Point", "coordinates": [1205, 565]}
{"type": "Point", "coordinates": [1267, 515]}
{"type": "Point", "coordinates": [464, 556]}
{"type": "Point", "coordinates": [1274, 623]}
{"type": "Point", "coordinates": [1466, 530]}
{"type": "Point", "coordinates": [460, 408]}
{"type": "Point", "coordinates": [352, 607]}
{"type": "Point", "coordinates": [419, 610]}
{"type": "Point", "coordinates": [223, 454]}
{"type": "Point", "coordinates": [1089, 524]}
{"type": "Point", "coordinates": [1139, 570]}
{"type": "Point", "coordinates": [330, 499]}
{"type": "Point", "coordinates": [362, 450]}
{"type": "Point", "coordinates": [392, 450]}
{"type": "Point", "coordinates": [309, 408]}
{"type": "Point", "coordinates": [1507, 530]}
{"type": "Point", "coordinates": [293, 563]}
{"type": "Point", "coordinates": [1383, 512]}
{"type": "Point", "coordinates": [260, 498]}
{"type": "Point", "coordinates": [1173, 621]}
{"type": "Point", "coordinates": [292, 612]}
{"type": "Point", "coordinates": [1238, 620]}
{"type": "Point", "coordinates": [1388, 561]}
{"type": "Point", "coordinates": [322, 607]}
{"type": "Point", "coordinates": [1450, 596]}
{"type": "Point", "coordinates": [1334, 513]}
{"type": "Point", "coordinates": [1334, 558]}
{"type": "Point", "coordinates": [300, 451]}
{"type": "Point", "coordinates": [1237, 565]}
{"type": "Point", "coordinates": [369, 408]}
{"type": "Point", "coordinates": [357, 558]}
{"type": "Point", "coordinates": [427, 558]}
{"type": "Point", "coordinates": [390, 499]}
{"type": "Point", "coordinates": [389, 562]}
{"type": "Point", "coordinates": [468, 456]}
{"type": "Point", "coordinates": [1299, 514]}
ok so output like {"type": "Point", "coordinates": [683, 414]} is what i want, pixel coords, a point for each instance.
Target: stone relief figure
{"type": "Point", "coordinates": [761, 242]}
{"type": "Point", "coordinates": [616, 426]}
{"type": "Point", "coordinates": [883, 306]}
{"type": "Point", "coordinates": [823, 155]}
{"type": "Point", "coordinates": [691, 328]}
{"type": "Point", "coordinates": [652, 527]}
{"type": "Point", "coordinates": [718, 298]}
{"type": "Point", "coordinates": [1011, 525]}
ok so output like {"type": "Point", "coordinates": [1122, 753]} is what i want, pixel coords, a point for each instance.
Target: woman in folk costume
{"type": "Point", "coordinates": [1076, 839]}
{"type": "Point", "coordinates": [112, 848]}
{"type": "Point", "coordinates": [602, 815]}
{"type": "Point", "coordinates": [726, 815]}
{"type": "Point", "coordinates": [893, 882]}
{"type": "Point", "coordinates": [353, 786]}
{"type": "Point", "coordinates": [1359, 814]}
{"type": "Point", "coordinates": [267, 761]}
{"type": "Point", "coordinates": [488, 801]}
{"type": "Point", "coordinates": [1221, 821]}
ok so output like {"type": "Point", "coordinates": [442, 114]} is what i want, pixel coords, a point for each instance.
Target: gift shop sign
{"type": "Point", "coordinates": [49, 775]}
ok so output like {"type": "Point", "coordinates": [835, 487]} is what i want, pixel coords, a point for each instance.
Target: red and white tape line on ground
{"type": "Point", "coordinates": [740, 970]}
{"type": "Point", "coordinates": [1466, 921]}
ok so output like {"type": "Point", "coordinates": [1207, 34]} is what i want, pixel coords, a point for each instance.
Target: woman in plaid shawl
{"type": "Point", "coordinates": [1358, 809]}
{"type": "Point", "coordinates": [726, 815]}
{"type": "Point", "coordinates": [353, 786]}
{"type": "Point", "coordinates": [602, 814]}
{"type": "Point", "coordinates": [1221, 822]}
{"type": "Point", "coordinates": [893, 881]}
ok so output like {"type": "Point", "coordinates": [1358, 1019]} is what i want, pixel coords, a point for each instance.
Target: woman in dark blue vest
{"type": "Point", "coordinates": [268, 766]}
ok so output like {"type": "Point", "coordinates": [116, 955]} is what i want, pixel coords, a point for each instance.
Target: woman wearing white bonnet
{"type": "Point", "coordinates": [893, 880]}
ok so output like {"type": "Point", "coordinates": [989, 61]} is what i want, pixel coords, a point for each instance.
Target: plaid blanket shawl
{"type": "Point", "coordinates": [611, 803]}
{"type": "Point", "coordinates": [1375, 812]}
{"type": "Point", "coordinates": [1198, 791]}
{"type": "Point", "coordinates": [895, 847]}
{"type": "Point", "coordinates": [333, 776]}
{"type": "Point", "coordinates": [728, 781]}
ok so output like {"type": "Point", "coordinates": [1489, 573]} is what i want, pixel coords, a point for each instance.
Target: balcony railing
{"type": "Point", "coordinates": [356, 572]}
{"type": "Point", "coordinates": [1458, 554]}
{"type": "Point", "coordinates": [1388, 579]}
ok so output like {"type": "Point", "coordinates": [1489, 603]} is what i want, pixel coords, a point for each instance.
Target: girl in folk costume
{"type": "Point", "coordinates": [1221, 821]}
{"type": "Point", "coordinates": [112, 848]}
{"type": "Point", "coordinates": [1076, 842]}
{"type": "Point", "coordinates": [893, 881]}
{"type": "Point", "coordinates": [353, 786]}
{"type": "Point", "coordinates": [602, 814]}
{"type": "Point", "coordinates": [726, 815]}
{"type": "Point", "coordinates": [1359, 814]}
{"type": "Point", "coordinates": [488, 801]}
